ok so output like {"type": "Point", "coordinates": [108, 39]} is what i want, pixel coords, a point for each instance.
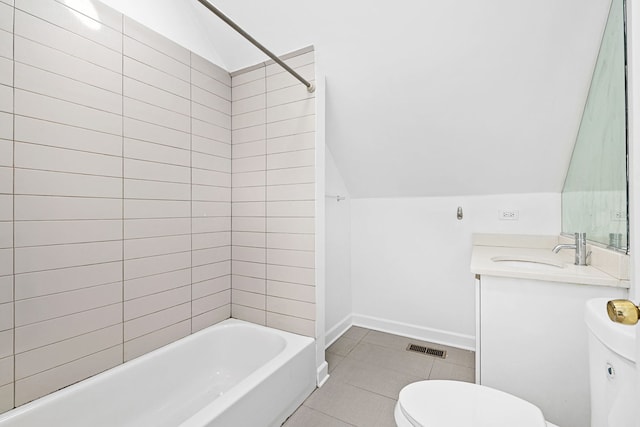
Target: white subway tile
{"type": "Point", "coordinates": [47, 307]}
{"type": "Point", "coordinates": [6, 17]}
{"type": "Point", "coordinates": [61, 87]}
{"type": "Point", "coordinates": [207, 68]}
{"type": "Point", "coordinates": [139, 189]}
{"type": "Point", "coordinates": [248, 76]}
{"type": "Point", "coordinates": [150, 132]}
{"type": "Point", "coordinates": [247, 105]}
{"type": "Point", "coordinates": [303, 276]}
{"type": "Point", "coordinates": [291, 127]}
{"type": "Point", "coordinates": [248, 89]}
{"type": "Point", "coordinates": [244, 253]}
{"type": "Point", "coordinates": [249, 209]}
{"type": "Point", "coordinates": [6, 72]}
{"type": "Point", "coordinates": [30, 285]}
{"type": "Point", "coordinates": [208, 209]}
{"type": "Point", "coordinates": [291, 209]}
{"type": "Point", "coordinates": [243, 238]}
{"type": "Point", "coordinates": [249, 299]}
{"type": "Point", "coordinates": [211, 286]}
{"type": "Point", "coordinates": [161, 301]}
{"type": "Point", "coordinates": [6, 397]}
{"type": "Point", "coordinates": [147, 343]}
{"type": "Point", "coordinates": [6, 343]}
{"type": "Point", "coordinates": [282, 80]}
{"type": "Point", "coordinates": [291, 258]}
{"type": "Point", "coordinates": [249, 149]}
{"type": "Point", "coordinates": [37, 258]}
{"type": "Point", "coordinates": [105, 14]}
{"type": "Point", "coordinates": [210, 255]}
{"type": "Point", "coordinates": [140, 209]}
{"type": "Point", "coordinates": [208, 193]}
{"type": "Point", "coordinates": [210, 84]}
{"type": "Point", "coordinates": [141, 267]}
{"type": "Point", "coordinates": [141, 228]}
{"type": "Point", "coordinates": [151, 114]}
{"type": "Point", "coordinates": [66, 64]}
{"type": "Point", "coordinates": [31, 156]}
{"type": "Point", "coordinates": [291, 324]}
{"type": "Point", "coordinates": [209, 146]}
{"type": "Point", "coordinates": [136, 288]}
{"type": "Point", "coordinates": [210, 224]}
{"type": "Point", "coordinates": [211, 302]}
{"type": "Point", "coordinates": [46, 208]}
{"type": "Point", "coordinates": [43, 333]}
{"type": "Point", "coordinates": [154, 77]}
{"type": "Point", "coordinates": [210, 115]}
{"type": "Point", "coordinates": [6, 126]}
{"type": "Point", "coordinates": [6, 187]}
{"type": "Point", "coordinates": [6, 370]}
{"type": "Point", "coordinates": [211, 100]}
{"type": "Point", "coordinates": [208, 130]}
{"type": "Point", "coordinates": [43, 183]}
{"type": "Point", "coordinates": [6, 316]}
{"type": "Point", "coordinates": [49, 381]}
{"type": "Point", "coordinates": [291, 192]}
{"type": "Point", "coordinates": [158, 320]}
{"type": "Point", "coordinates": [63, 136]}
{"type": "Point", "coordinates": [249, 164]}
{"type": "Point", "coordinates": [156, 41]}
{"type": "Point", "coordinates": [248, 314]}
{"type": "Point", "coordinates": [210, 318]}
{"type": "Point", "coordinates": [208, 162]}
{"type": "Point", "coordinates": [291, 291]}
{"type": "Point", "coordinates": [249, 194]}
{"type": "Point", "coordinates": [83, 24]}
{"type": "Point", "coordinates": [291, 225]}
{"type": "Point", "coordinates": [299, 175]}
{"type": "Point", "coordinates": [139, 169]}
{"type": "Point", "coordinates": [44, 358]}
{"type": "Point", "coordinates": [207, 177]}
{"type": "Point", "coordinates": [248, 179]}
{"type": "Point", "coordinates": [251, 119]}
{"type": "Point", "coordinates": [38, 233]}
{"type": "Point", "coordinates": [254, 133]}
{"type": "Point", "coordinates": [249, 284]}
{"type": "Point", "coordinates": [211, 271]}
{"type": "Point", "coordinates": [252, 224]}
{"type": "Point", "coordinates": [141, 150]}
{"type": "Point", "coordinates": [6, 234]}
{"type": "Point", "coordinates": [250, 269]}
{"type": "Point", "coordinates": [48, 34]}
{"type": "Point", "coordinates": [6, 98]}
{"type": "Point", "coordinates": [289, 94]}
{"type": "Point", "coordinates": [291, 110]}
{"type": "Point", "coordinates": [6, 289]}
{"type": "Point", "coordinates": [291, 307]}
{"type": "Point", "coordinates": [156, 58]}
{"type": "Point", "coordinates": [6, 44]}
{"type": "Point", "coordinates": [155, 96]}
{"type": "Point", "coordinates": [210, 240]}
{"type": "Point", "coordinates": [139, 248]}
{"type": "Point", "coordinates": [51, 109]}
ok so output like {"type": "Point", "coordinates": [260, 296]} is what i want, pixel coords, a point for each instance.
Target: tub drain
{"type": "Point", "coordinates": [427, 350]}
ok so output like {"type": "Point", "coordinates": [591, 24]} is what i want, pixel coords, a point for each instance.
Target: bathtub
{"type": "Point", "coordinates": [232, 374]}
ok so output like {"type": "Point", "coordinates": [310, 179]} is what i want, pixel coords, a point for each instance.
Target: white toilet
{"type": "Point", "coordinates": [459, 404]}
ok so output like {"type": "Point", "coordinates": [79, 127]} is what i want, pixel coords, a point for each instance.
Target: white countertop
{"type": "Point", "coordinates": [482, 264]}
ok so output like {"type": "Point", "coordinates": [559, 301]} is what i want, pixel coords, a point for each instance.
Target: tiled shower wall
{"type": "Point", "coordinates": [115, 194]}
{"type": "Point", "coordinates": [273, 196]}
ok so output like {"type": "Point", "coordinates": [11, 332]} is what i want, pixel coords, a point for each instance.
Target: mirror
{"type": "Point", "coordinates": [594, 197]}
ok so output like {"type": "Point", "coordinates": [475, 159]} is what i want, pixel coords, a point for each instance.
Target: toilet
{"type": "Point", "coordinates": [612, 372]}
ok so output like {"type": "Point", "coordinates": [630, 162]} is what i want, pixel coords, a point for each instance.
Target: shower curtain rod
{"type": "Point", "coordinates": [257, 44]}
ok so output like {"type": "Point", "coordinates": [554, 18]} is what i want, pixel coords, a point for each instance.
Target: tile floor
{"type": "Point", "coordinates": [367, 371]}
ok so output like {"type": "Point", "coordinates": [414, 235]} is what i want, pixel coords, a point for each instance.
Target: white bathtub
{"type": "Point", "coordinates": [233, 374]}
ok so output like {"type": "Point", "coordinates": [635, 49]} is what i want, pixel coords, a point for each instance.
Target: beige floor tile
{"type": "Point", "coordinates": [459, 356]}
{"type": "Point", "coordinates": [356, 333]}
{"type": "Point", "coordinates": [388, 340]}
{"type": "Point", "coordinates": [386, 415]}
{"type": "Point", "coordinates": [333, 360]}
{"type": "Point", "coordinates": [403, 361]}
{"type": "Point", "coordinates": [373, 378]}
{"type": "Point", "coordinates": [443, 370]}
{"type": "Point", "coordinates": [342, 346]}
{"type": "Point", "coordinates": [349, 403]}
{"type": "Point", "coordinates": [307, 417]}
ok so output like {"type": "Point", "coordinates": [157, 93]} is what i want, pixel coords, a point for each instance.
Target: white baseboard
{"type": "Point", "coordinates": [437, 336]}
{"type": "Point", "coordinates": [322, 374]}
{"type": "Point", "coordinates": [336, 332]}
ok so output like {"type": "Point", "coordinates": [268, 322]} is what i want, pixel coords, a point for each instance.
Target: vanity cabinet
{"type": "Point", "coordinates": [532, 343]}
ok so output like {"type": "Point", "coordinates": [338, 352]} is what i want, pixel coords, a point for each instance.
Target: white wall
{"type": "Point", "coordinates": [411, 256]}
{"type": "Point", "coordinates": [338, 292]}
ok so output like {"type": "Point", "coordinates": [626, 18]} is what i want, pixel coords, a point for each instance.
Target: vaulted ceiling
{"type": "Point", "coordinates": [424, 98]}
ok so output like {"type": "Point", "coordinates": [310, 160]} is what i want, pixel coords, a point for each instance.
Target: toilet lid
{"type": "Point", "coordinates": [460, 404]}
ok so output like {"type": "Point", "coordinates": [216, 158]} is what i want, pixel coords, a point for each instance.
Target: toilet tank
{"type": "Point", "coordinates": [612, 368]}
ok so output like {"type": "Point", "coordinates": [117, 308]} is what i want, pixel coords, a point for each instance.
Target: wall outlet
{"type": "Point", "coordinates": [509, 214]}
{"type": "Point", "coordinates": [618, 215]}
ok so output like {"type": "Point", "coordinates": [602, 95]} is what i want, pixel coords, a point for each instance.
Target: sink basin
{"type": "Point", "coordinates": [529, 263]}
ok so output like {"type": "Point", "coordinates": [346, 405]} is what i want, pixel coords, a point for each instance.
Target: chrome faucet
{"type": "Point", "coordinates": [580, 246]}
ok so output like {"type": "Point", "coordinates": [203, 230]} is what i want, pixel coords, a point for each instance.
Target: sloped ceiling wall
{"type": "Point", "coordinates": [424, 98]}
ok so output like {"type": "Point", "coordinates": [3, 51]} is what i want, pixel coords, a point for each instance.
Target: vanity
{"type": "Point", "coordinates": [531, 339]}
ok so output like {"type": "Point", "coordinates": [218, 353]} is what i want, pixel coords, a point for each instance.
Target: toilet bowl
{"type": "Point", "coordinates": [459, 404]}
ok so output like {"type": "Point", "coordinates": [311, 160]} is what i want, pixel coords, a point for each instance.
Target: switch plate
{"type": "Point", "coordinates": [508, 214]}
